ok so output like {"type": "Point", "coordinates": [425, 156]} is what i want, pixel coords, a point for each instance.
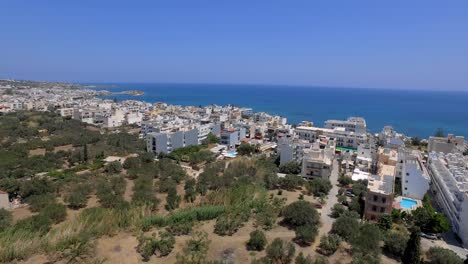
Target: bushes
{"type": "Point", "coordinates": [172, 200]}
{"type": "Point", "coordinates": [300, 213]}
{"type": "Point", "coordinates": [5, 219]}
{"type": "Point", "coordinates": [190, 192]}
{"type": "Point", "coordinates": [113, 167]}
{"type": "Point", "coordinates": [143, 192]}
{"type": "Point", "coordinates": [395, 243]}
{"type": "Point", "coordinates": [366, 241]}
{"type": "Point", "coordinates": [345, 226]}
{"type": "Point", "coordinates": [131, 163]}
{"type": "Point", "coordinates": [318, 187]}
{"type": "Point", "coordinates": [229, 223]}
{"type": "Point", "coordinates": [291, 182]}
{"type": "Point", "coordinates": [55, 212]}
{"type": "Point", "coordinates": [291, 167]}
{"type": "Point", "coordinates": [438, 255]}
{"type": "Point", "coordinates": [195, 250]}
{"type": "Point", "coordinates": [178, 229]}
{"type": "Point", "coordinates": [257, 241]}
{"type": "Point", "coordinates": [337, 210]}
{"type": "Point", "coordinates": [344, 181]}
{"type": "Point", "coordinates": [280, 251]}
{"type": "Point", "coordinates": [306, 234]}
{"type": "Point", "coordinates": [329, 244]}
{"type": "Point", "coordinates": [110, 192]}
{"type": "Point", "coordinates": [38, 202]}
{"type": "Point", "coordinates": [161, 246]}
{"type": "Point", "coordinates": [78, 196]}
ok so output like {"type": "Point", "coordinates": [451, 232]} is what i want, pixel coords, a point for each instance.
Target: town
{"type": "Point", "coordinates": [402, 187]}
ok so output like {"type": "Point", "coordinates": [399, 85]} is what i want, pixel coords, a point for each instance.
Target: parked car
{"type": "Point", "coordinates": [349, 194]}
{"type": "Point", "coordinates": [317, 205]}
{"type": "Point", "coordinates": [429, 236]}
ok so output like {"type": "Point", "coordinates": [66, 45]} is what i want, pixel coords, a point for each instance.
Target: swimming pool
{"type": "Point", "coordinates": [406, 203]}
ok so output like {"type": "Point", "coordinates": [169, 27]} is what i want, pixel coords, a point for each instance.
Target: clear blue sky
{"type": "Point", "coordinates": [414, 44]}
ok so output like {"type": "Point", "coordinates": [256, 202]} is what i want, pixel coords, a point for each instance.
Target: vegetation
{"type": "Point", "coordinates": [395, 243]}
{"type": "Point", "coordinates": [6, 219]}
{"type": "Point", "coordinates": [257, 240]}
{"type": "Point", "coordinates": [329, 244]}
{"type": "Point", "coordinates": [438, 255]}
{"type": "Point", "coordinates": [428, 220]}
{"type": "Point", "coordinates": [291, 182]}
{"type": "Point", "coordinates": [318, 187]}
{"type": "Point", "coordinates": [412, 253]}
{"type": "Point", "coordinates": [280, 251]}
{"type": "Point", "coordinates": [160, 246]}
{"type": "Point", "coordinates": [346, 226]}
{"type": "Point", "coordinates": [291, 167]}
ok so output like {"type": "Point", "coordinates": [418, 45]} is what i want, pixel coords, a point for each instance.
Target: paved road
{"type": "Point", "coordinates": [332, 199]}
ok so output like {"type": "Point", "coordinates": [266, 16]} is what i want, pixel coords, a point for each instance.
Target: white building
{"type": "Point", "coordinates": [352, 124]}
{"type": "Point", "coordinates": [449, 174]}
{"type": "Point", "coordinates": [449, 144]}
{"type": "Point", "coordinates": [317, 161]}
{"type": "Point", "coordinates": [343, 138]}
{"type": "Point", "coordinates": [414, 175]}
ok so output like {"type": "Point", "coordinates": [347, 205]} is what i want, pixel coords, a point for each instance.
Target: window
{"type": "Point", "coordinates": [375, 198]}
{"type": "Point", "coordinates": [407, 174]}
{"type": "Point", "coordinates": [382, 209]}
{"type": "Point", "coordinates": [384, 200]}
{"type": "Point", "coordinates": [374, 208]}
{"type": "Point", "coordinates": [406, 189]}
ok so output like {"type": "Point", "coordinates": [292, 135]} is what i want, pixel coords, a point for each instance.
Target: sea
{"type": "Point", "coordinates": [412, 112]}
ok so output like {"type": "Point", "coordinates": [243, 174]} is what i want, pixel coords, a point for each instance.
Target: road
{"type": "Point", "coordinates": [332, 199]}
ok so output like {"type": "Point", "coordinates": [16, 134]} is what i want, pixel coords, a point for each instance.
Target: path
{"type": "Point", "coordinates": [332, 199]}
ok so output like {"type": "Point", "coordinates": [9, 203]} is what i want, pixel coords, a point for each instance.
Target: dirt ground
{"type": "Point", "coordinates": [37, 152]}
{"type": "Point", "coordinates": [63, 148]}
{"type": "Point", "coordinates": [21, 213]}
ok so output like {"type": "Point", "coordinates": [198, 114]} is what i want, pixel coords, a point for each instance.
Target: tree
{"type": "Point", "coordinates": [190, 192]}
{"type": "Point", "coordinates": [412, 253]}
{"type": "Point", "coordinates": [280, 252]}
{"type": "Point", "coordinates": [291, 182]}
{"type": "Point", "coordinates": [337, 210]}
{"type": "Point", "coordinates": [415, 141]}
{"type": "Point", "coordinates": [195, 250]}
{"type": "Point", "coordinates": [300, 213]}
{"type": "Point", "coordinates": [55, 212]}
{"type": "Point", "coordinates": [395, 243]}
{"type": "Point", "coordinates": [345, 226]}
{"type": "Point", "coordinates": [131, 163]}
{"type": "Point", "coordinates": [76, 199]}
{"type": "Point", "coordinates": [85, 153]}
{"type": "Point", "coordinates": [385, 222]}
{"type": "Point", "coordinates": [344, 181]}
{"type": "Point", "coordinates": [306, 234]}
{"type": "Point", "coordinates": [366, 240]}
{"type": "Point", "coordinates": [438, 255]}
{"type": "Point", "coordinates": [329, 244]}
{"type": "Point", "coordinates": [245, 149]}
{"type": "Point", "coordinates": [172, 200]}
{"type": "Point", "coordinates": [301, 259]}
{"type": "Point", "coordinates": [291, 167]}
{"type": "Point", "coordinates": [257, 240]}
{"type": "Point", "coordinates": [211, 139]}
{"type": "Point", "coordinates": [113, 167]}
{"type": "Point", "coordinates": [318, 187]}
{"type": "Point", "coordinates": [5, 219]}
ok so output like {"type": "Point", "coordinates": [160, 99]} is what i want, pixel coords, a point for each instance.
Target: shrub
{"type": "Point", "coordinates": [178, 229]}
{"type": "Point", "coordinates": [55, 212]}
{"type": "Point", "coordinates": [257, 241]}
{"type": "Point", "coordinates": [395, 243]}
{"type": "Point", "coordinates": [385, 222]}
{"type": "Point", "coordinates": [146, 247]}
{"type": "Point", "coordinates": [190, 192]}
{"type": "Point", "coordinates": [228, 224]}
{"type": "Point", "coordinates": [367, 240]}
{"type": "Point", "coordinates": [291, 167]}
{"type": "Point", "coordinates": [5, 219]}
{"type": "Point", "coordinates": [345, 226]}
{"type": "Point", "coordinates": [172, 200]}
{"type": "Point", "coordinates": [301, 259]}
{"type": "Point", "coordinates": [130, 163]}
{"type": "Point", "coordinates": [329, 244]}
{"type": "Point", "coordinates": [291, 182]}
{"type": "Point", "coordinates": [78, 197]}
{"type": "Point", "coordinates": [306, 234]}
{"type": "Point", "coordinates": [195, 250]}
{"type": "Point", "coordinates": [343, 180]}
{"type": "Point", "coordinates": [143, 192]}
{"type": "Point", "coordinates": [438, 255]}
{"type": "Point", "coordinates": [113, 167]}
{"type": "Point", "coordinates": [38, 202]}
{"type": "Point", "coordinates": [337, 210]}
{"type": "Point", "coordinates": [300, 213]}
{"type": "Point", "coordinates": [280, 251]}
{"type": "Point", "coordinates": [165, 244]}
{"type": "Point", "coordinates": [318, 187]}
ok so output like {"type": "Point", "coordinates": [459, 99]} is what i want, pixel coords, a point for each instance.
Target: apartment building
{"type": "Point", "coordinates": [157, 142]}
{"type": "Point", "coordinates": [380, 187]}
{"type": "Point", "coordinates": [232, 136]}
{"type": "Point", "coordinates": [352, 124]}
{"type": "Point", "coordinates": [291, 150]}
{"type": "Point", "coordinates": [65, 112]}
{"type": "Point", "coordinates": [343, 138]}
{"type": "Point", "coordinates": [317, 161]}
{"type": "Point", "coordinates": [414, 175]}
{"type": "Point", "coordinates": [449, 175]}
{"type": "Point", "coordinates": [449, 144]}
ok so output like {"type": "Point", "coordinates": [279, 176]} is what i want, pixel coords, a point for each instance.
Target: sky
{"type": "Point", "coordinates": [399, 44]}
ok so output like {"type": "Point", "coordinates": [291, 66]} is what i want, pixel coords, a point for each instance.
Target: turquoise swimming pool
{"type": "Point", "coordinates": [407, 203]}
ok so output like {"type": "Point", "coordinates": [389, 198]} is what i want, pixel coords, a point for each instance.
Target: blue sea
{"type": "Point", "coordinates": [414, 112]}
